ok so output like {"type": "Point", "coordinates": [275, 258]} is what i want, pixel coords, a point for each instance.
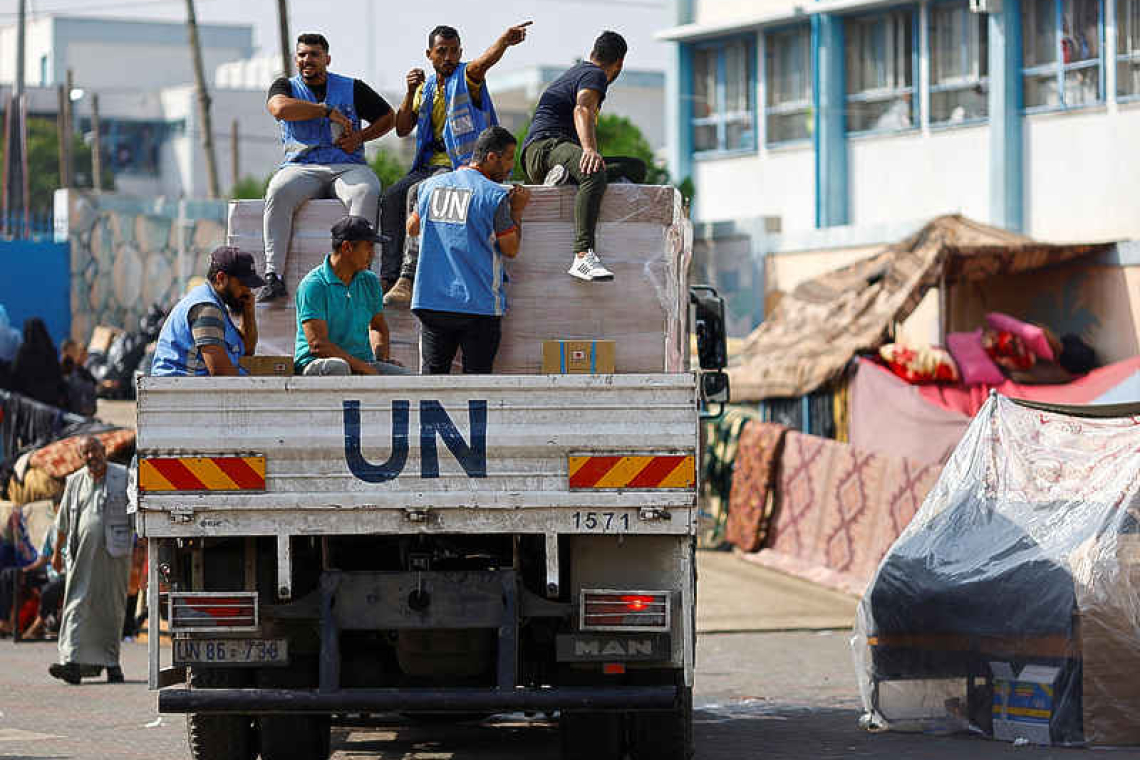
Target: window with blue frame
{"type": "Point", "coordinates": [787, 84]}
{"type": "Point", "coordinates": [1128, 48]}
{"type": "Point", "coordinates": [959, 63]}
{"type": "Point", "coordinates": [724, 100]}
{"type": "Point", "coordinates": [1061, 52]}
{"type": "Point", "coordinates": [132, 147]}
{"type": "Point", "coordinates": [881, 66]}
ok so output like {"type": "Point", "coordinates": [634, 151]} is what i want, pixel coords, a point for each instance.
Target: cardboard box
{"type": "Point", "coordinates": [1023, 703]}
{"type": "Point", "coordinates": [268, 366]}
{"type": "Point", "coordinates": [101, 338]}
{"type": "Point", "coordinates": [578, 357]}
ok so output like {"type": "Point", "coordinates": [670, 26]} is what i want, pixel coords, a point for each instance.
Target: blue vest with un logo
{"type": "Point", "coordinates": [175, 342]}
{"type": "Point", "coordinates": [463, 123]}
{"type": "Point", "coordinates": [461, 268]}
{"type": "Point", "coordinates": [311, 141]}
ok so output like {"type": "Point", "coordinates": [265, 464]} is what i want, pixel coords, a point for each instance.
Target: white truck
{"type": "Point", "coordinates": [326, 550]}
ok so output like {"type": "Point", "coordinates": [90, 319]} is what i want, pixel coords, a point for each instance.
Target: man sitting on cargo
{"type": "Point", "coordinates": [447, 110]}
{"type": "Point", "coordinates": [562, 143]}
{"type": "Point", "coordinates": [199, 337]}
{"type": "Point", "coordinates": [340, 321]}
{"type": "Point", "coordinates": [320, 116]}
{"type": "Point", "coordinates": [467, 221]}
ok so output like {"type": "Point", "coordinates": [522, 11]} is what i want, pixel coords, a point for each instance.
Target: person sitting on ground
{"type": "Point", "coordinates": [94, 525]}
{"type": "Point", "coordinates": [20, 566]}
{"type": "Point", "coordinates": [454, 96]}
{"type": "Point", "coordinates": [340, 321]}
{"type": "Point", "coordinates": [467, 221]}
{"type": "Point", "coordinates": [51, 592]}
{"type": "Point", "coordinates": [320, 116]}
{"type": "Point", "coordinates": [562, 143]}
{"type": "Point", "coordinates": [199, 337]}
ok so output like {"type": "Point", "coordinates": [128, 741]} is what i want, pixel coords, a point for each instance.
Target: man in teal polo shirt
{"type": "Point", "coordinates": [340, 321]}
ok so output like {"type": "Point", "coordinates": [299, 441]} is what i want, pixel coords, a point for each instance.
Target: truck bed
{"type": "Point", "coordinates": [447, 454]}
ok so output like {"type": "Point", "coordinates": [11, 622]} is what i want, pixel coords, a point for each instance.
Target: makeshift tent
{"type": "Point", "coordinates": [821, 324]}
{"type": "Point", "coordinates": [1011, 603]}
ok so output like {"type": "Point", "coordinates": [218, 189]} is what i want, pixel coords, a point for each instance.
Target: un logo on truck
{"type": "Point", "coordinates": [434, 422]}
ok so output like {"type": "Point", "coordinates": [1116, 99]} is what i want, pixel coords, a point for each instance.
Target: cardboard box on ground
{"type": "Point", "coordinates": [642, 237]}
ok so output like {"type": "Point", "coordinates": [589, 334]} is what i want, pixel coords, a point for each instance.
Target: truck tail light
{"type": "Point", "coordinates": [204, 611]}
{"type": "Point", "coordinates": [611, 610]}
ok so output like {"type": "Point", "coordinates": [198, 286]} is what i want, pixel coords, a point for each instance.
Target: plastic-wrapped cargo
{"type": "Point", "coordinates": [643, 237]}
{"type": "Point", "coordinates": [1010, 606]}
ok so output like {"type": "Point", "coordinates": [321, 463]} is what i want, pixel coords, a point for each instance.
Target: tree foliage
{"type": "Point", "coordinates": [43, 164]}
{"type": "Point", "coordinates": [388, 168]}
{"type": "Point", "coordinates": [250, 188]}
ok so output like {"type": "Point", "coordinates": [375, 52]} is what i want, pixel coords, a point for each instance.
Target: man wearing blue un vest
{"type": "Point", "coordinates": [321, 116]}
{"type": "Point", "coordinates": [447, 110]}
{"type": "Point", "coordinates": [467, 221]}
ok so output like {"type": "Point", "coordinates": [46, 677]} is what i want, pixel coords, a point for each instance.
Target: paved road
{"type": "Point", "coordinates": [772, 694]}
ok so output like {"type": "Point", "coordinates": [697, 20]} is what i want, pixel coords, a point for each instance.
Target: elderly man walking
{"type": "Point", "coordinates": [98, 534]}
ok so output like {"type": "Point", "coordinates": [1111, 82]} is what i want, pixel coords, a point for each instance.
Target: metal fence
{"type": "Point", "coordinates": [17, 226]}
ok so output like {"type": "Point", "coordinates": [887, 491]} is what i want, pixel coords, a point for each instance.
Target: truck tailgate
{"type": "Point", "coordinates": [523, 453]}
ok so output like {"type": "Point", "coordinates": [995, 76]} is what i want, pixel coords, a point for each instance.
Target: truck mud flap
{"type": "Point", "coordinates": [284, 701]}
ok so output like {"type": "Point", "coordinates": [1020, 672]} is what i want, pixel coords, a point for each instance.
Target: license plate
{"type": "Point", "coordinates": [231, 651]}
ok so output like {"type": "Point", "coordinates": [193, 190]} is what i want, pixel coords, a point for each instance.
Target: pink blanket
{"type": "Point", "coordinates": [1085, 390]}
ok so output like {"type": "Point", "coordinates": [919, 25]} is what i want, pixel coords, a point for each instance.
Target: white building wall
{"type": "Point", "coordinates": [728, 11]}
{"type": "Point", "coordinates": [777, 183]}
{"type": "Point", "coordinates": [1081, 174]}
{"type": "Point", "coordinates": [915, 176]}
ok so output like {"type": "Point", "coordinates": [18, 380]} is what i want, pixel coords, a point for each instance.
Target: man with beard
{"type": "Point", "coordinates": [199, 336]}
{"type": "Point", "coordinates": [468, 221]}
{"type": "Point", "coordinates": [321, 116]}
{"type": "Point", "coordinates": [98, 534]}
{"type": "Point", "coordinates": [447, 110]}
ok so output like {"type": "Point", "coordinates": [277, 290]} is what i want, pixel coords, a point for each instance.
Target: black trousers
{"type": "Point", "coordinates": [445, 332]}
{"type": "Point", "coordinates": [393, 216]}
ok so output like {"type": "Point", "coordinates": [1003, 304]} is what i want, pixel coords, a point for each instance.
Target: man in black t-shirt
{"type": "Point", "coordinates": [321, 116]}
{"type": "Point", "coordinates": [562, 142]}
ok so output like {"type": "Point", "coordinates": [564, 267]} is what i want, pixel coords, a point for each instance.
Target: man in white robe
{"type": "Point", "coordinates": [98, 534]}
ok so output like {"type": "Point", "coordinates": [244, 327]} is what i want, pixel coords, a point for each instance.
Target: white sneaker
{"type": "Point", "coordinates": [556, 176]}
{"type": "Point", "coordinates": [589, 268]}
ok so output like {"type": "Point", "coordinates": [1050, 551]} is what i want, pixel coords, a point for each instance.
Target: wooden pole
{"type": "Point", "coordinates": [235, 156]}
{"type": "Point", "coordinates": [61, 128]}
{"type": "Point", "coordinates": [96, 146]}
{"type": "Point", "coordinates": [69, 128]}
{"type": "Point", "coordinates": [283, 28]}
{"type": "Point", "coordinates": [203, 103]}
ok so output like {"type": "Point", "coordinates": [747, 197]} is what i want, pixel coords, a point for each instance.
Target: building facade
{"type": "Point", "coordinates": [816, 129]}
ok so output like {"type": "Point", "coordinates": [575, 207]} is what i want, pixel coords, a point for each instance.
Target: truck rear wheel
{"type": "Point", "coordinates": [592, 735]}
{"type": "Point", "coordinates": [295, 737]}
{"type": "Point", "coordinates": [664, 735]}
{"type": "Point", "coordinates": [220, 737]}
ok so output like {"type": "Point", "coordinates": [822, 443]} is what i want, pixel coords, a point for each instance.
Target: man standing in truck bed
{"type": "Point", "coordinates": [447, 110]}
{"type": "Point", "coordinates": [320, 114]}
{"type": "Point", "coordinates": [562, 142]}
{"type": "Point", "coordinates": [468, 221]}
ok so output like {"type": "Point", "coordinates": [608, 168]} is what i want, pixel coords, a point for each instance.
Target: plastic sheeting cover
{"type": "Point", "coordinates": [1024, 560]}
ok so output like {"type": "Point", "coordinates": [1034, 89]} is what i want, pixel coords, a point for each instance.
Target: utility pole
{"type": "Point", "coordinates": [69, 129]}
{"type": "Point", "coordinates": [203, 103]}
{"type": "Point", "coordinates": [96, 146]}
{"type": "Point", "coordinates": [286, 48]}
{"type": "Point", "coordinates": [61, 97]}
{"type": "Point", "coordinates": [15, 198]}
{"type": "Point", "coordinates": [235, 165]}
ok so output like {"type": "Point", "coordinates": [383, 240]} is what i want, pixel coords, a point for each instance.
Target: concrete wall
{"type": "Point", "coordinates": [727, 11]}
{"type": "Point", "coordinates": [35, 284]}
{"type": "Point", "coordinates": [129, 252]}
{"type": "Point", "coordinates": [913, 176]}
{"type": "Point", "coordinates": [773, 183]}
{"type": "Point", "coordinates": [1081, 171]}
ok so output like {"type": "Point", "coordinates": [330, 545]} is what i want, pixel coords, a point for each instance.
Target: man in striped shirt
{"type": "Point", "coordinates": [199, 337]}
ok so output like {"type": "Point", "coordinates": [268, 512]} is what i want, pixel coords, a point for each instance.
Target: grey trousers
{"type": "Point", "coordinates": [337, 367]}
{"type": "Point", "coordinates": [355, 184]}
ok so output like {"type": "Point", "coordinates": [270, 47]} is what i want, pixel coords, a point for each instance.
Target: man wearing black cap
{"type": "Point", "coordinates": [199, 336]}
{"type": "Point", "coordinates": [340, 304]}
